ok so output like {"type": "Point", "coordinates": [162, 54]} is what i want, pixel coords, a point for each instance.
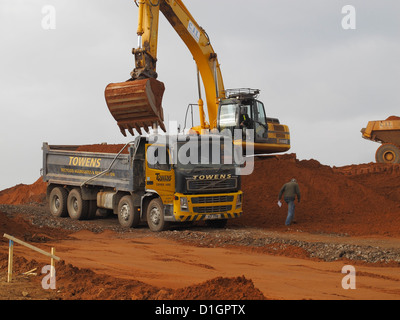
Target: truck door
{"type": "Point", "coordinates": [160, 175]}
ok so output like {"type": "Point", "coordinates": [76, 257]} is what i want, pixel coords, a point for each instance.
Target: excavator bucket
{"type": "Point", "coordinates": [136, 104]}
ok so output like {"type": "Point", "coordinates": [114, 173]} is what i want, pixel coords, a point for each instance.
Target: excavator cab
{"type": "Point", "coordinates": [241, 110]}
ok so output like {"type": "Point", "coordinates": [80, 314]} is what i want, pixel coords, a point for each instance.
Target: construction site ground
{"type": "Point", "coordinates": [347, 216]}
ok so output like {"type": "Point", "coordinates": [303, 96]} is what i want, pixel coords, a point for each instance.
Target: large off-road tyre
{"type": "Point", "coordinates": [78, 209]}
{"type": "Point", "coordinates": [128, 215]}
{"type": "Point", "coordinates": [155, 215]}
{"type": "Point", "coordinates": [388, 153]}
{"type": "Point", "coordinates": [58, 202]}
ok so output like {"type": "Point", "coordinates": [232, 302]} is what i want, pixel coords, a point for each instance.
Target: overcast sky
{"type": "Point", "coordinates": [322, 80]}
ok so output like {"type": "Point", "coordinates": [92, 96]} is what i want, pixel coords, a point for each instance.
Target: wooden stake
{"type": "Point", "coordinates": [52, 263]}
{"type": "Point", "coordinates": [30, 246]}
{"type": "Point", "coordinates": [29, 272]}
{"type": "Point", "coordinates": [10, 260]}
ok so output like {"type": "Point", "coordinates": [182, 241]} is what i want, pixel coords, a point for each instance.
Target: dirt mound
{"type": "Point", "coordinates": [105, 148]}
{"type": "Point", "coordinates": [24, 194]}
{"type": "Point", "coordinates": [357, 200]}
{"type": "Point", "coordinates": [75, 283]}
{"type": "Point", "coordinates": [220, 289]}
{"type": "Point", "coordinates": [393, 118]}
{"type": "Point", "coordinates": [23, 230]}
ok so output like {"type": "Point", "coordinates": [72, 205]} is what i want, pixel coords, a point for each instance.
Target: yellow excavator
{"type": "Point", "coordinates": [136, 103]}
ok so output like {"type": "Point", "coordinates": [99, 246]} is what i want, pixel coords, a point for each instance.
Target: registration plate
{"type": "Point", "coordinates": [212, 216]}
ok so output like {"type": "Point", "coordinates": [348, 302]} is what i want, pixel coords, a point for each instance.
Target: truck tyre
{"type": "Point", "coordinates": [128, 215]}
{"type": "Point", "coordinates": [388, 153]}
{"type": "Point", "coordinates": [92, 209]}
{"type": "Point", "coordinates": [58, 202]}
{"type": "Point", "coordinates": [155, 215]}
{"type": "Point", "coordinates": [78, 209]}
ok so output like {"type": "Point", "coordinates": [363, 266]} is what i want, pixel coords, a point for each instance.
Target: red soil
{"type": "Point", "coordinates": [357, 199]}
{"type": "Point", "coordinates": [24, 194]}
{"type": "Point", "coordinates": [105, 148]}
{"type": "Point", "coordinates": [393, 118]}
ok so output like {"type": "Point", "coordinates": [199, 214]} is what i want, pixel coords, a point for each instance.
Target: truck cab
{"type": "Point", "coordinates": [196, 178]}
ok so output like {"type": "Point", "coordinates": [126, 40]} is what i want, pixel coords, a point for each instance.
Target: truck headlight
{"type": "Point", "coordinates": [184, 204]}
{"type": "Point", "coordinates": [238, 201]}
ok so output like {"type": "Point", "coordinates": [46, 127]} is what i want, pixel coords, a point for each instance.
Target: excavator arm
{"type": "Point", "coordinates": [136, 103]}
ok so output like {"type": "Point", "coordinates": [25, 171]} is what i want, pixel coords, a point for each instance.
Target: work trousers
{"type": "Point", "coordinates": [290, 215]}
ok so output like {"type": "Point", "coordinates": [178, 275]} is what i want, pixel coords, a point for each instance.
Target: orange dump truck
{"type": "Point", "coordinates": [387, 133]}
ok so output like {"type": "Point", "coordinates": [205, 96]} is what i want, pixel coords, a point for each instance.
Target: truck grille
{"type": "Point", "coordinates": [212, 209]}
{"type": "Point", "coordinates": [193, 185]}
{"type": "Point", "coordinates": [212, 199]}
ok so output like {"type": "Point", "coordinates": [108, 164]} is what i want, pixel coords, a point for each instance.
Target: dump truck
{"type": "Point", "coordinates": [387, 133]}
{"type": "Point", "coordinates": [172, 179]}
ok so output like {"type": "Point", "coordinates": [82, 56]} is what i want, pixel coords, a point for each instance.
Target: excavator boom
{"type": "Point", "coordinates": [136, 104]}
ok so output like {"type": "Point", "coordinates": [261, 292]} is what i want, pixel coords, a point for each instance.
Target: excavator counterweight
{"type": "Point", "coordinates": [136, 104]}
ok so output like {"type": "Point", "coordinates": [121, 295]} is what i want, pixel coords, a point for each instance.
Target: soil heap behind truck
{"type": "Point", "coordinates": [152, 182]}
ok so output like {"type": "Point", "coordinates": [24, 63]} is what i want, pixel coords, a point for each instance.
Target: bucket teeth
{"type": "Point", "coordinates": [136, 104]}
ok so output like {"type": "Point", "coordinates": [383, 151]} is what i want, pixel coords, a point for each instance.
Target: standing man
{"type": "Point", "coordinates": [289, 192]}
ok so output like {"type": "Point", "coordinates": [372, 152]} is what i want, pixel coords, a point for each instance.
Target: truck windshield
{"type": "Point", "coordinates": [203, 152]}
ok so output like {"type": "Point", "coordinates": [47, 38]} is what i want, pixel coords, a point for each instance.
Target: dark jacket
{"type": "Point", "coordinates": [289, 191]}
{"type": "Point", "coordinates": [245, 119]}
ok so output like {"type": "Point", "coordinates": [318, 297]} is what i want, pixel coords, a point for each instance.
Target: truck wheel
{"type": "Point", "coordinates": [388, 153]}
{"type": "Point", "coordinates": [128, 215]}
{"type": "Point", "coordinates": [58, 202]}
{"type": "Point", "coordinates": [155, 215]}
{"type": "Point", "coordinates": [92, 209]}
{"type": "Point", "coordinates": [78, 209]}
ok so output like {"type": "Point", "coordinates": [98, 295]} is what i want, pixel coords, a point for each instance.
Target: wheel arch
{"type": "Point", "coordinates": [145, 200]}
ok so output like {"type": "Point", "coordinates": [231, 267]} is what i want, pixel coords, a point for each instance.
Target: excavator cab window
{"type": "Point", "coordinates": [228, 117]}
{"type": "Point", "coordinates": [260, 123]}
{"type": "Point", "coordinates": [244, 114]}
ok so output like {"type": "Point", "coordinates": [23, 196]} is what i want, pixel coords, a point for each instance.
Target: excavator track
{"type": "Point", "coordinates": [136, 104]}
